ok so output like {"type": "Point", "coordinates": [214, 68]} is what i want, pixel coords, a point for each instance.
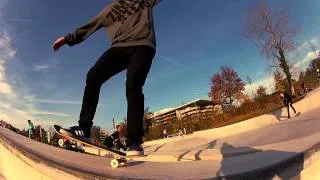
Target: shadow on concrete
{"type": "Point", "coordinates": [159, 147]}
{"type": "Point", "coordinates": [278, 115]}
{"type": "Point", "coordinates": [133, 163]}
{"type": "Point", "coordinates": [146, 147]}
{"type": "Point", "coordinates": [181, 156]}
{"type": "Point", "coordinates": [231, 166]}
{"type": "Point", "coordinates": [2, 176]}
{"type": "Point", "coordinates": [211, 144]}
{"type": "Point", "coordinates": [197, 155]}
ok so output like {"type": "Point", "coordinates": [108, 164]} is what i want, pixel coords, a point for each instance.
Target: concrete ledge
{"type": "Point", "coordinates": [284, 160]}
{"type": "Point", "coordinates": [12, 160]}
{"type": "Point", "coordinates": [273, 162]}
{"type": "Point", "coordinates": [312, 172]}
{"type": "Point", "coordinates": [284, 168]}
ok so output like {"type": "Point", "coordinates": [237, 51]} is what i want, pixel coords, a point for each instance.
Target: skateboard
{"type": "Point", "coordinates": [297, 114]}
{"type": "Point", "coordinates": [120, 157]}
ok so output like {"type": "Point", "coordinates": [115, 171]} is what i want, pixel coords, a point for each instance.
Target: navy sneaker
{"type": "Point", "coordinates": [135, 150]}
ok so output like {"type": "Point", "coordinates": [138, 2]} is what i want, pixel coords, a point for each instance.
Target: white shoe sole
{"type": "Point", "coordinates": [135, 153]}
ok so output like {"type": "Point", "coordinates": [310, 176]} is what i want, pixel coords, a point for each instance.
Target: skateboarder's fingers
{"type": "Point", "coordinates": [58, 43]}
{"type": "Point", "coordinates": [56, 46]}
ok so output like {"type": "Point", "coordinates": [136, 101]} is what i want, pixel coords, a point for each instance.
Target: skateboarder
{"type": "Point", "coordinates": [129, 24]}
{"type": "Point", "coordinates": [113, 141]}
{"type": "Point", "coordinates": [31, 129]}
{"type": "Point", "coordinates": [287, 100]}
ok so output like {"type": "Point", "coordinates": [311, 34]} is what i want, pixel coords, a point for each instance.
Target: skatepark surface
{"type": "Point", "coordinates": [265, 147]}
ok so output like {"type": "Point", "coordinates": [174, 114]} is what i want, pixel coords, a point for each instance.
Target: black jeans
{"type": "Point", "coordinates": [137, 60]}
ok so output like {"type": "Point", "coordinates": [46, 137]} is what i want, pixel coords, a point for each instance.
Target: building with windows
{"type": "Point", "coordinates": [199, 108]}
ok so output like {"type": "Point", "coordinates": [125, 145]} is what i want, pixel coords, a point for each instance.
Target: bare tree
{"type": "Point", "coordinates": [270, 30]}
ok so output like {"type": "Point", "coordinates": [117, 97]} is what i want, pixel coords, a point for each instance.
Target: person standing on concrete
{"type": "Point", "coordinates": [164, 134]}
{"type": "Point", "coordinates": [287, 101]}
{"type": "Point", "coordinates": [129, 24]}
{"type": "Point", "coordinates": [31, 129]}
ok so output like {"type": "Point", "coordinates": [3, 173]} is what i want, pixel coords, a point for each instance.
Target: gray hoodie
{"type": "Point", "coordinates": [128, 23]}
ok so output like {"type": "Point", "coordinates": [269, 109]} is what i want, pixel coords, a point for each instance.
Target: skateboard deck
{"type": "Point", "coordinates": [120, 157]}
{"type": "Point", "coordinates": [295, 115]}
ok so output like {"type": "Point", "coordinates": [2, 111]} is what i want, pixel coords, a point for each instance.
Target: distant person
{"type": "Point", "coordinates": [130, 27]}
{"type": "Point", "coordinates": [287, 101]}
{"type": "Point", "coordinates": [113, 141]}
{"type": "Point", "coordinates": [31, 129]}
{"type": "Point", "coordinates": [304, 88]}
{"type": "Point", "coordinates": [164, 135]}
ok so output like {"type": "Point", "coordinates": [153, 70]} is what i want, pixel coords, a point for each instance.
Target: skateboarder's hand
{"type": "Point", "coordinates": [58, 43]}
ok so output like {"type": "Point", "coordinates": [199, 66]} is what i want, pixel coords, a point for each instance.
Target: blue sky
{"type": "Point", "coordinates": [194, 39]}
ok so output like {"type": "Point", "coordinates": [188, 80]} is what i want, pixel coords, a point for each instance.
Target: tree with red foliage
{"type": "Point", "coordinates": [226, 87]}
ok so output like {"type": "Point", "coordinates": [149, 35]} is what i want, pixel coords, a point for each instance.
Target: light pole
{"type": "Point", "coordinates": [40, 134]}
{"type": "Point", "coordinates": [49, 136]}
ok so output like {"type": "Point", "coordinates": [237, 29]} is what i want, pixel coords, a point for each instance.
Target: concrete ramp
{"type": "Point", "coordinates": [259, 148]}
{"type": "Point", "coordinates": [296, 159]}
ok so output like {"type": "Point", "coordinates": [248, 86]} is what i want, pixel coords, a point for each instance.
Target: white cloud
{"type": "Point", "coordinates": [51, 101]}
{"type": "Point", "coordinates": [50, 113]}
{"type": "Point", "coordinates": [304, 62]}
{"type": "Point", "coordinates": [46, 65]}
{"type": "Point", "coordinates": [6, 89]}
{"type": "Point", "coordinates": [309, 51]}
{"type": "Point", "coordinates": [4, 116]}
{"type": "Point", "coordinates": [306, 44]}
{"type": "Point", "coordinates": [17, 114]}
{"type": "Point", "coordinates": [267, 82]}
{"type": "Point", "coordinates": [170, 60]}
{"type": "Point", "coordinates": [7, 52]}
{"type": "Point", "coordinates": [14, 108]}
{"type": "Point", "coordinates": [19, 20]}
{"type": "Point", "coordinates": [42, 67]}
{"type": "Point", "coordinates": [6, 49]}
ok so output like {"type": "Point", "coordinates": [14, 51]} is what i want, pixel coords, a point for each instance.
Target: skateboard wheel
{"type": "Point", "coordinates": [114, 163]}
{"type": "Point", "coordinates": [61, 142]}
